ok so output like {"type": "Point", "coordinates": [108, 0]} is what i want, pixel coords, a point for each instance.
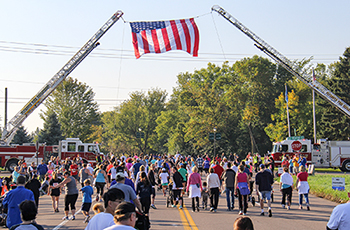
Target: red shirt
{"type": "Point", "coordinates": [285, 163]}
{"type": "Point", "coordinates": [218, 170]}
{"type": "Point", "coordinates": [74, 169]}
{"type": "Point", "coordinates": [302, 176]}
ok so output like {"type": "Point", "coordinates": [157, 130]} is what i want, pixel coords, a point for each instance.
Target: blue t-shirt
{"type": "Point", "coordinates": [42, 169]}
{"type": "Point", "coordinates": [206, 164]}
{"type": "Point", "coordinates": [87, 193]}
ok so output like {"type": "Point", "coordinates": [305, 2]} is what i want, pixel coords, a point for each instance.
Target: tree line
{"type": "Point", "coordinates": [245, 102]}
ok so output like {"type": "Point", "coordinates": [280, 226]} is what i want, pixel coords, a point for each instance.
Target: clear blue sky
{"type": "Point", "coordinates": [298, 29]}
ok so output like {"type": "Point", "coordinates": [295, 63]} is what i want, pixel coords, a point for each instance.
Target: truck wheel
{"type": "Point", "coordinates": [11, 164]}
{"type": "Point", "coordinates": [346, 166]}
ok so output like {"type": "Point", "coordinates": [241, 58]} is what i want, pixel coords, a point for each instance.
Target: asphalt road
{"type": "Point", "coordinates": [173, 218]}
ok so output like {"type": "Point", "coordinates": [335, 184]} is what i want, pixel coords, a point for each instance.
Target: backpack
{"type": "Point", "coordinates": [243, 188]}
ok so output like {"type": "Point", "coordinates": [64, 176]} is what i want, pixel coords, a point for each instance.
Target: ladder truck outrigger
{"type": "Point", "coordinates": [12, 126]}
{"type": "Point", "coordinates": [294, 70]}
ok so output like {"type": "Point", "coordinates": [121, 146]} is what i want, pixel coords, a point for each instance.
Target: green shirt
{"type": "Point", "coordinates": [183, 173]}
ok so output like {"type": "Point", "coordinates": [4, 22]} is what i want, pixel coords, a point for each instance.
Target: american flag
{"type": "Point", "coordinates": [162, 36]}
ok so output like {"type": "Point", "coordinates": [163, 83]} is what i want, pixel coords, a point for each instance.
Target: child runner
{"type": "Point", "coordinates": [87, 193]}
{"type": "Point", "coordinates": [205, 195]}
{"type": "Point", "coordinates": [164, 177]}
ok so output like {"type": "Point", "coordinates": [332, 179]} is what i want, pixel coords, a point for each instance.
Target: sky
{"type": "Point", "coordinates": [38, 37]}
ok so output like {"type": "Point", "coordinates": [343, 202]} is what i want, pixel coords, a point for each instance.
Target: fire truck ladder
{"type": "Point", "coordinates": [50, 86]}
{"type": "Point", "coordinates": [286, 63]}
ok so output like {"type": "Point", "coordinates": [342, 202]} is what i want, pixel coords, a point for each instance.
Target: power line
{"type": "Point", "coordinates": [129, 54]}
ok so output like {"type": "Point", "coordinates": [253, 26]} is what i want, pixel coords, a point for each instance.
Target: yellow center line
{"type": "Point", "coordinates": [189, 218]}
{"type": "Point", "coordinates": [184, 220]}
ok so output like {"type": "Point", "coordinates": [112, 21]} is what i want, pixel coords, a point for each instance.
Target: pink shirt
{"type": "Point", "coordinates": [302, 176]}
{"type": "Point", "coordinates": [242, 177]}
{"type": "Point", "coordinates": [194, 178]}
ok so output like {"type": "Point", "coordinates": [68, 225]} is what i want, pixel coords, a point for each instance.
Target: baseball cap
{"type": "Point", "coordinates": [120, 176]}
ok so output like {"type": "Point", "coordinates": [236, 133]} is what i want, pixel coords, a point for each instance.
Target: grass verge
{"type": "Point", "coordinates": [321, 186]}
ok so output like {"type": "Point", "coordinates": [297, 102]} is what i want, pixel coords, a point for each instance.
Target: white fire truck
{"type": "Point", "coordinates": [323, 154]}
{"type": "Point", "coordinates": [71, 147]}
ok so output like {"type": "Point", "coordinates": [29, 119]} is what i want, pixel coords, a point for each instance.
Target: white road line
{"type": "Point", "coordinates": [65, 221]}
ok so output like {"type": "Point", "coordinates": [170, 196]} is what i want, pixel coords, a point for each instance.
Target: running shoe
{"type": "Point", "coordinates": [173, 206]}
{"type": "Point", "coordinates": [262, 214]}
{"type": "Point", "coordinates": [73, 217]}
{"type": "Point", "coordinates": [288, 208]}
{"type": "Point", "coordinates": [180, 207]}
{"type": "Point", "coordinates": [308, 208]}
{"type": "Point", "coordinates": [283, 206]}
{"type": "Point", "coordinates": [244, 214]}
{"type": "Point", "coordinates": [87, 219]}
{"type": "Point", "coordinates": [214, 210]}
{"type": "Point", "coordinates": [270, 213]}
{"type": "Point", "coordinates": [153, 206]}
{"type": "Point", "coordinates": [65, 218]}
{"type": "Point", "coordinates": [240, 213]}
{"type": "Point", "coordinates": [197, 208]}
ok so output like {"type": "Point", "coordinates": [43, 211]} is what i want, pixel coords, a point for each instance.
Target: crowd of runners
{"type": "Point", "coordinates": [138, 178]}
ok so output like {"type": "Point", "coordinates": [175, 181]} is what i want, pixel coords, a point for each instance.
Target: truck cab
{"type": "Point", "coordinates": [290, 147]}
{"type": "Point", "coordinates": [72, 147]}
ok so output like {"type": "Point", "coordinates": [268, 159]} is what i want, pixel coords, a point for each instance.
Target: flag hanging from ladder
{"type": "Point", "coordinates": [163, 36]}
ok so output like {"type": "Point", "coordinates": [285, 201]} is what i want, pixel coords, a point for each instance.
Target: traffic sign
{"type": "Point", "coordinates": [217, 136]}
{"type": "Point", "coordinates": [211, 136]}
{"type": "Point", "coordinates": [295, 138]}
{"type": "Point", "coordinates": [296, 145]}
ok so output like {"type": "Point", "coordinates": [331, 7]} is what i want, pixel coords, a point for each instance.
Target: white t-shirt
{"type": "Point", "coordinates": [234, 168]}
{"type": "Point", "coordinates": [100, 221]}
{"type": "Point", "coordinates": [340, 217]}
{"type": "Point", "coordinates": [120, 227]}
{"type": "Point", "coordinates": [164, 177]}
{"type": "Point", "coordinates": [113, 171]}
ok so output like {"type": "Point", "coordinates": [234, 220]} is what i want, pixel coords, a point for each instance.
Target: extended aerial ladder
{"type": "Point", "coordinates": [51, 85]}
{"type": "Point", "coordinates": [287, 64]}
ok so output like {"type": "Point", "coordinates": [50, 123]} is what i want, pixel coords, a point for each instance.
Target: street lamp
{"type": "Point", "coordinates": [214, 140]}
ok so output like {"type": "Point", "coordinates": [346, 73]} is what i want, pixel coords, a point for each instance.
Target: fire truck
{"type": "Point", "coordinates": [69, 148]}
{"type": "Point", "coordinates": [323, 154]}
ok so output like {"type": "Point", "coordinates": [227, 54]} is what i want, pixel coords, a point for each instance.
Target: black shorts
{"type": "Point", "coordinates": [206, 170]}
{"type": "Point", "coordinates": [153, 192]}
{"type": "Point", "coordinates": [177, 194]}
{"type": "Point", "coordinates": [70, 200]}
{"type": "Point", "coordinates": [200, 170]}
{"type": "Point", "coordinates": [86, 207]}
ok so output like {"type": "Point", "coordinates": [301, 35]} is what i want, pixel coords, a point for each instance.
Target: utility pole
{"type": "Point", "coordinates": [5, 124]}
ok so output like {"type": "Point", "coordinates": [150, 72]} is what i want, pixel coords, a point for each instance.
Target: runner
{"type": "Point", "coordinates": [54, 193]}
{"type": "Point", "coordinates": [100, 182]}
{"type": "Point", "coordinates": [71, 194]}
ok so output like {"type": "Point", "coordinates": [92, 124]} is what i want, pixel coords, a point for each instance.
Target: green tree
{"type": "Point", "coordinates": [51, 133]}
{"type": "Point", "coordinates": [278, 129]}
{"type": "Point", "coordinates": [21, 136]}
{"type": "Point", "coordinates": [137, 114]}
{"type": "Point", "coordinates": [336, 124]}
{"type": "Point", "coordinates": [73, 103]}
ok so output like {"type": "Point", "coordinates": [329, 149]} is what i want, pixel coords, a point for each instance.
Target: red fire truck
{"type": "Point", "coordinates": [71, 147]}
{"type": "Point", "coordinates": [323, 154]}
